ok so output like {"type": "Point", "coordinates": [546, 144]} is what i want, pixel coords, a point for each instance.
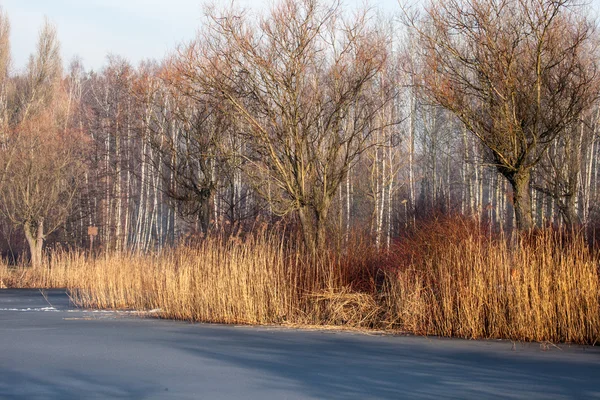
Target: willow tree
{"type": "Point", "coordinates": [41, 159]}
{"type": "Point", "coordinates": [517, 73]}
{"type": "Point", "coordinates": [301, 85]}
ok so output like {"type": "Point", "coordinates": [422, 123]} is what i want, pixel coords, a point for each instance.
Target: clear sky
{"type": "Point", "coordinates": [134, 29]}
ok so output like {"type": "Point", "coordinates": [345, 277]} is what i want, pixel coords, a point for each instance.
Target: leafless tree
{"type": "Point", "coordinates": [40, 158]}
{"type": "Point", "coordinates": [301, 86]}
{"type": "Point", "coordinates": [517, 73]}
{"type": "Point", "coordinates": [186, 134]}
{"type": "Point", "coordinates": [43, 166]}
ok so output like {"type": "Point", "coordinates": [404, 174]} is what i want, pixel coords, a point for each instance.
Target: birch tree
{"type": "Point", "coordinates": [185, 132]}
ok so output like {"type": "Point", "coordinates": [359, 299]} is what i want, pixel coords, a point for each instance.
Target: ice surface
{"type": "Point", "coordinates": [68, 354]}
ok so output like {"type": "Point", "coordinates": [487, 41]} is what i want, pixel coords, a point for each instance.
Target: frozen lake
{"type": "Point", "coordinates": [49, 350]}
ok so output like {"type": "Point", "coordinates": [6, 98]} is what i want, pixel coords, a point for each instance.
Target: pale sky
{"type": "Point", "coordinates": [92, 29]}
{"type": "Point", "coordinates": [134, 29]}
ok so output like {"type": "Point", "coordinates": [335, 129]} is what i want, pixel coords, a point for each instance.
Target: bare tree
{"type": "Point", "coordinates": [185, 133]}
{"type": "Point", "coordinates": [301, 86]}
{"type": "Point", "coordinates": [43, 167]}
{"type": "Point", "coordinates": [515, 72]}
{"type": "Point", "coordinates": [40, 157]}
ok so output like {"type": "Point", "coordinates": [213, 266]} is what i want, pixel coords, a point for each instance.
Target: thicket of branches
{"type": "Point", "coordinates": [309, 115]}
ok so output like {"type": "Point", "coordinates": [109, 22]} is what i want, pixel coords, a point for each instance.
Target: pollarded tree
{"type": "Point", "coordinates": [517, 73]}
{"type": "Point", "coordinates": [302, 86]}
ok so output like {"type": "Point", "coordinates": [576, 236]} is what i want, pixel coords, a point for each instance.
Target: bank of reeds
{"type": "Point", "coordinates": [445, 280]}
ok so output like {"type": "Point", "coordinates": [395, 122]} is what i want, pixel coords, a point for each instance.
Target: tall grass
{"type": "Point", "coordinates": [540, 287]}
{"type": "Point", "coordinates": [447, 279]}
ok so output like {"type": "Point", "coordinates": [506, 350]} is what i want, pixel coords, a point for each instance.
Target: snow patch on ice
{"type": "Point", "coordinates": [78, 310]}
{"type": "Point", "coordinates": [29, 309]}
{"type": "Point", "coordinates": [153, 311]}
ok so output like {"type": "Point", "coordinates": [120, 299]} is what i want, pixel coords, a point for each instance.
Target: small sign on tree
{"type": "Point", "coordinates": [92, 232]}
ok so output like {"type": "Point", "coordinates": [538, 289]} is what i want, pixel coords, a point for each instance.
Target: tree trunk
{"type": "Point", "coordinates": [588, 181]}
{"type": "Point", "coordinates": [35, 241]}
{"type": "Point", "coordinates": [520, 182]}
{"type": "Point", "coordinates": [205, 212]}
{"type": "Point", "coordinates": [411, 158]}
{"type": "Point", "coordinates": [307, 222]}
{"type": "Point", "coordinates": [569, 211]}
{"type": "Point", "coordinates": [313, 228]}
{"type": "Point", "coordinates": [348, 203]}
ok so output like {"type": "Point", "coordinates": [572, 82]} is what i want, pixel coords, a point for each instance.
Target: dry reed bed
{"type": "Point", "coordinates": [543, 288]}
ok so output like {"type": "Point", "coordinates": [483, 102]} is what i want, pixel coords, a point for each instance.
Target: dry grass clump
{"type": "Point", "coordinates": [539, 287]}
{"type": "Point", "coordinates": [446, 279]}
{"type": "Point", "coordinates": [342, 306]}
{"type": "Point", "coordinates": [216, 281]}
{"type": "Point", "coordinates": [50, 275]}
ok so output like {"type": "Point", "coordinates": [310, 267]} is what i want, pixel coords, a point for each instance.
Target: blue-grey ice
{"type": "Point", "coordinates": [74, 354]}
